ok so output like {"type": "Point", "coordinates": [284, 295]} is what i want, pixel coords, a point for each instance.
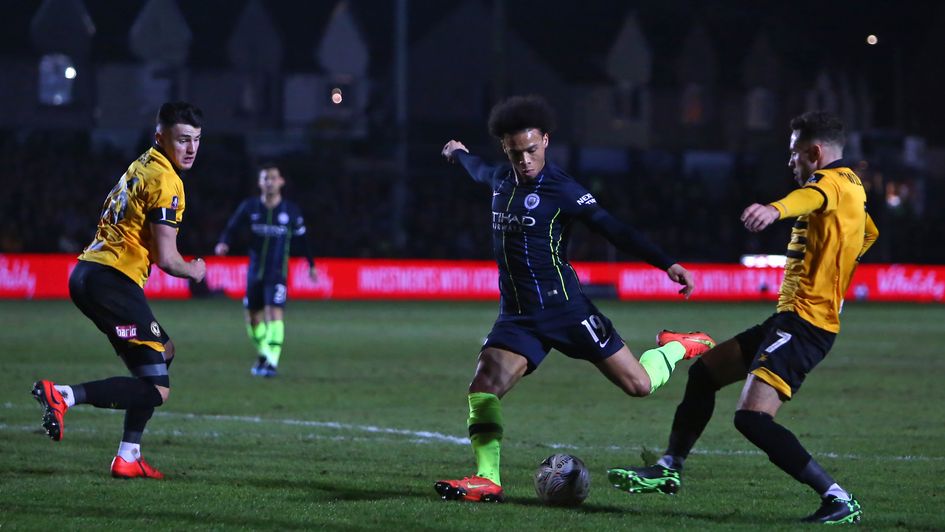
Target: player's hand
{"type": "Point", "coordinates": [313, 274]}
{"type": "Point", "coordinates": [681, 275]}
{"type": "Point", "coordinates": [221, 249]}
{"type": "Point", "coordinates": [450, 147]}
{"type": "Point", "coordinates": [757, 216]}
{"type": "Point", "coordinates": [198, 269]}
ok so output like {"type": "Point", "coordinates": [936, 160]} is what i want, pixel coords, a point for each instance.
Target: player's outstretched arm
{"type": "Point", "coordinates": [456, 152]}
{"type": "Point", "coordinates": [681, 275]}
{"type": "Point", "coordinates": [170, 260]}
{"type": "Point", "coordinates": [869, 237]}
{"type": "Point", "coordinates": [757, 217]}
{"type": "Point", "coordinates": [450, 149]}
{"type": "Point", "coordinates": [239, 217]}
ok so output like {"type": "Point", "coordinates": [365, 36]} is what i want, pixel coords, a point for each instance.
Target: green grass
{"type": "Point", "coordinates": [312, 449]}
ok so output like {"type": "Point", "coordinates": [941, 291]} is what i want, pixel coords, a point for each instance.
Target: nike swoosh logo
{"type": "Point", "coordinates": [476, 486]}
{"type": "Point", "coordinates": [605, 342]}
{"type": "Point", "coordinates": [494, 194]}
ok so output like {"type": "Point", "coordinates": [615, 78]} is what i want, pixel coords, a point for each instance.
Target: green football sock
{"type": "Point", "coordinates": [485, 433]}
{"type": "Point", "coordinates": [659, 363]}
{"type": "Point", "coordinates": [257, 333]}
{"type": "Point", "coordinates": [274, 337]}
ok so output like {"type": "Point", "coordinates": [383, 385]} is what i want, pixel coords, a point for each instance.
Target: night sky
{"type": "Point", "coordinates": [807, 34]}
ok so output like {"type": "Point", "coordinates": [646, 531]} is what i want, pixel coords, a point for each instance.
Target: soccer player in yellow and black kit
{"type": "Point", "coordinates": [831, 233]}
{"type": "Point", "coordinates": [138, 228]}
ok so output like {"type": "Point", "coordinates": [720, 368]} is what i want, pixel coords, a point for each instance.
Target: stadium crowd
{"type": "Point", "coordinates": [55, 183]}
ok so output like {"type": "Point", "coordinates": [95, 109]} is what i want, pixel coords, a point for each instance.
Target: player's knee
{"type": "Point", "coordinates": [496, 373]}
{"type": "Point", "coordinates": [700, 379]}
{"type": "Point", "coordinates": [751, 423]}
{"type": "Point", "coordinates": [636, 387]}
{"type": "Point", "coordinates": [486, 381]}
{"type": "Point", "coordinates": [169, 352]}
{"type": "Point", "coordinates": [164, 391]}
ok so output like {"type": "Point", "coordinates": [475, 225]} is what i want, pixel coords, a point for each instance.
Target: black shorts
{"type": "Point", "coordinates": [578, 330]}
{"type": "Point", "coordinates": [783, 350]}
{"type": "Point", "coordinates": [264, 293]}
{"type": "Point", "coordinates": [117, 306]}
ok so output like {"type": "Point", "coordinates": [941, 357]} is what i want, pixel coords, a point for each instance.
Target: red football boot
{"type": "Point", "coordinates": [122, 468]}
{"type": "Point", "coordinates": [696, 342]}
{"type": "Point", "coordinates": [476, 489]}
{"type": "Point", "coordinates": [54, 407]}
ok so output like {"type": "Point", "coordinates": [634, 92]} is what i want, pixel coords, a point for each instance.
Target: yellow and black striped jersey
{"type": "Point", "coordinates": [150, 191]}
{"type": "Point", "coordinates": [826, 242]}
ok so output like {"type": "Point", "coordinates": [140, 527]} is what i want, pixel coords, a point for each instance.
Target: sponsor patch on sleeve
{"type": "Point", "coordinates": [586, 199]}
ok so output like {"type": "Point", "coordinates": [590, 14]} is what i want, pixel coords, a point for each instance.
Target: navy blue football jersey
{"type": "Point", "coordinates": [530, 228]}
{"type": "Point", "coordinates": [273, 231]}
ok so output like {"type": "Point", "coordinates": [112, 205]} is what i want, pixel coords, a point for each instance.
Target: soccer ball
{"type": "Point", "coordinates": [562, 480]}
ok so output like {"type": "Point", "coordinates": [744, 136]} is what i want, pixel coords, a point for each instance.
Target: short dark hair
{"type": "Point", "coordinates": [519, 113]}
{"type": "Point", "coordinates": [819, 125]}
{"type": "Point", "coordinates": [267, 165]}
{"type": "Point", "coordinates": [179, 113]}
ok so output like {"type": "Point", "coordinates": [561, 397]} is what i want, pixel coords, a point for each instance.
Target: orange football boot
{"type": "Point", "coordinates": [695, 342]}
{"type": "Point", "coordinates": [476, 489]}
{"type": "Point", "coordinates": [122, 468]}
{"type": "Point", "coordinates": [54, 407]}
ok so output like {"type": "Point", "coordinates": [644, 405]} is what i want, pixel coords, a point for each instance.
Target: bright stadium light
{"type": "Point", "coordinates": [69, 73]}
{"type": "Point", "coordinates": [763, 261]}
{"type": "Point", "coordinates": [872, 39]}
{"type": "Point", "coordinates": [336, 96]}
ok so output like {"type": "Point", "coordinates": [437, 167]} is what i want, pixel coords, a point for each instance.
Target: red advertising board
{"type": "Point", "coordinates": [46, 277]}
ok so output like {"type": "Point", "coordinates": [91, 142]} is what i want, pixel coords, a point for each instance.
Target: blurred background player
{"type": "Point", "coordinates": [542, 305]}
{"type": "Point", "coordinates": [831, 233]}
{"type": "Point", "coordinates": [273, 222]}
{"type": "Point", "coordinates": [138, 227]}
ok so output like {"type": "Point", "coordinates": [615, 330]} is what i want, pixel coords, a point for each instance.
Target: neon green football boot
{"type": "Point", "coordinates": [650, 479]}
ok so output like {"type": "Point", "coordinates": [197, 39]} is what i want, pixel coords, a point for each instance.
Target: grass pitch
{"type": "Point", "coordinates": [369, 410]}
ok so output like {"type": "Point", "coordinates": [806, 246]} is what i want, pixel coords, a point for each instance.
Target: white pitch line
{"type": "Point", "coordinates": [425, 437]}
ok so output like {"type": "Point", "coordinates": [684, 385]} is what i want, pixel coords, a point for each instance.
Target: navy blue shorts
{"type": "Point", "coordinates": [784, 349]}
{"type": "Point", "coordinates": [264, 293]}
{"type": "Point", "coordinates": [578, 330]}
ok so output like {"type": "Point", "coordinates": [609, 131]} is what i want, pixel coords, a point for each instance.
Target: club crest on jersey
{"type": "Point", "coordinates": [174, 202]}
{"type": "Point", "coordinates": [531, 201]}
{"type": "Point", "coordinates": [155, 330]}
{"type": "Point", "coordinates": [126, 332]}
{"type": "Point", "coordinates": [283, 218]}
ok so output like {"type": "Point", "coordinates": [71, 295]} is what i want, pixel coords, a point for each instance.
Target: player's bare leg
{"type": "Point", "coordinates": [624, 370]}
{"type": "Point", "coordinates": [642, 377]}
{"type": "Point", "coordinates": [497, 372]}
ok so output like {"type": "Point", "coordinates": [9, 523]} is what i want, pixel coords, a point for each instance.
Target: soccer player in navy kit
{"type": "Point", "coordinates": [274, 222]}
{"type": "Point", "coordinates": [542, 305]}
